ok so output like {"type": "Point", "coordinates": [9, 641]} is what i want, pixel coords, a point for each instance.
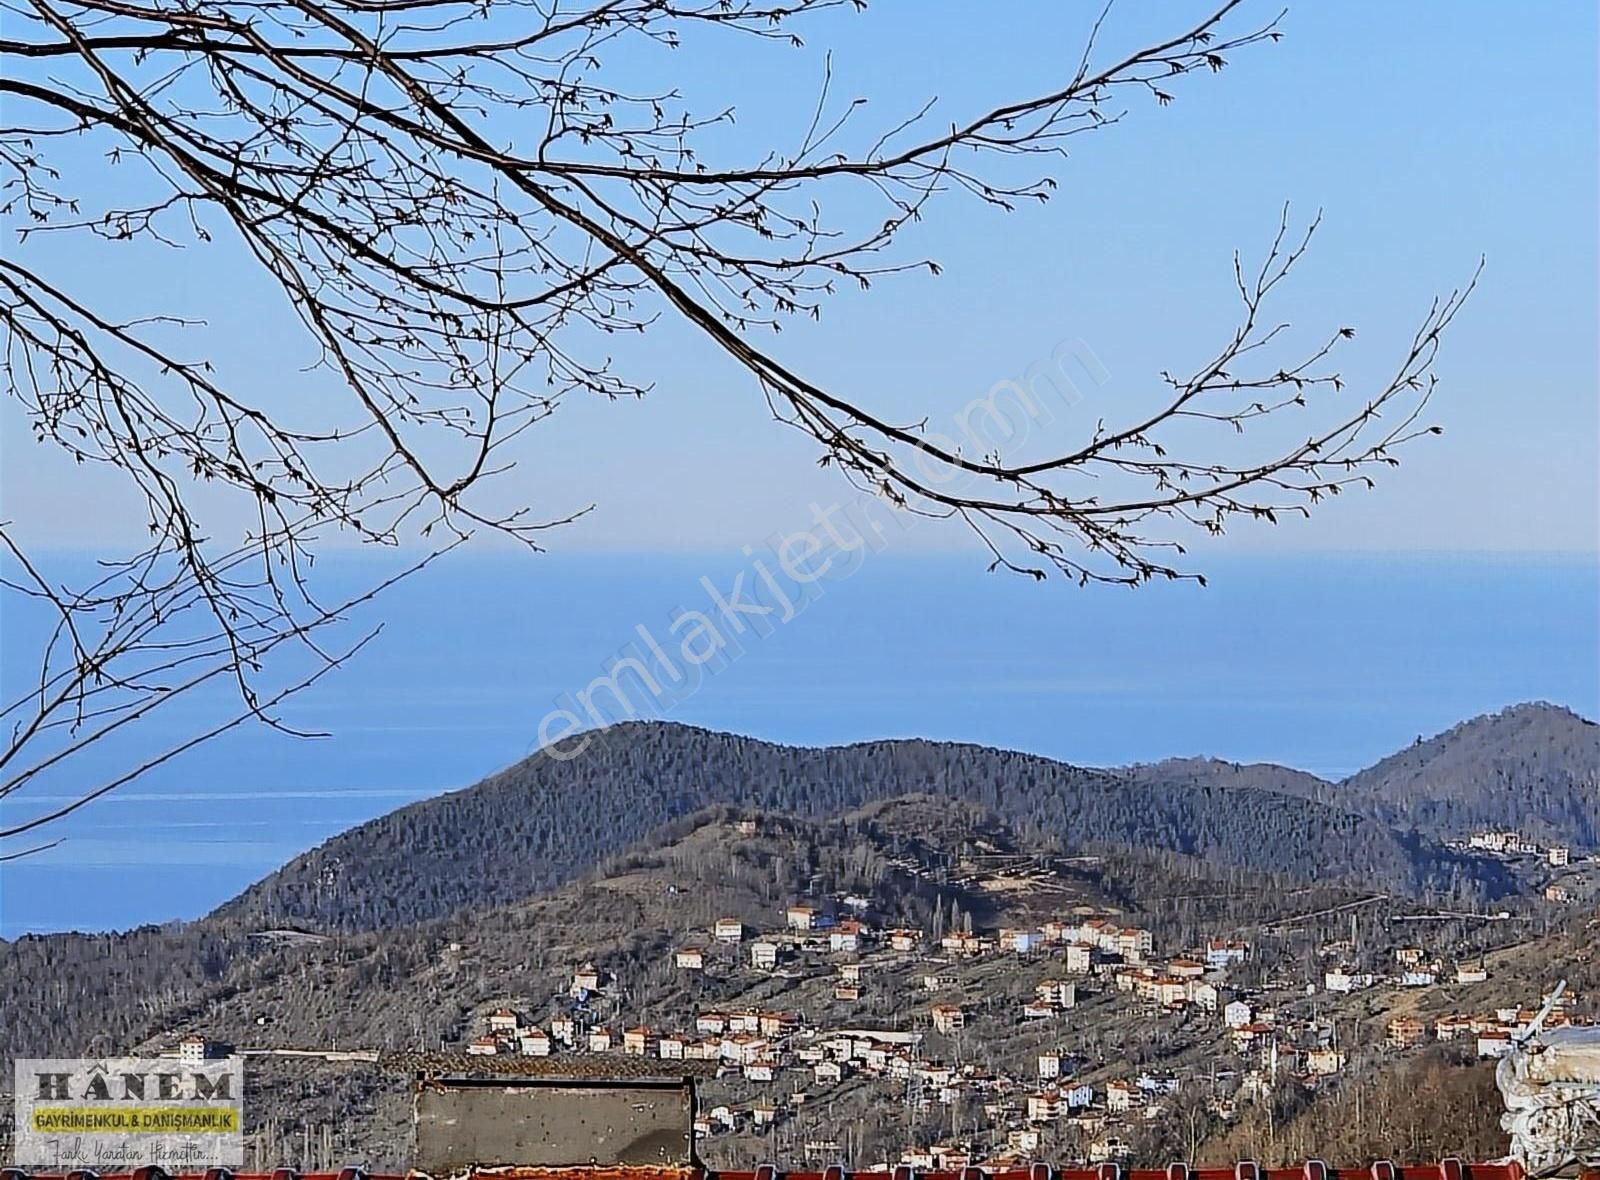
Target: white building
{"type": "Point", "coordinates": [1023, 942]}
{"type": "Point", "coordinates": [1023, 1141]}
{"type": "Point", "coordinates": [1133, 943]}
{"type": "Point", "coordinates": [904, 940]}
{"type": "Point", "coordinates": [1494, 1043]}
{"type": "Point", "coordinates": [1346, 981]}
{"type": "Point", "coordinates": [534, 1043]}
{"type": "Point", "coordinates": [1056, 992]}
{"type": "Point", "coordinates": [1223, 953]}
{"type": "Point", "coordinates": [1324, 1062]}
{"type": "Point", "coordinates": [1108, 1148]}
{"type": "Point", "coordinates": [1504, 842]}
{"type": "Point", "coordinates": [846, 936]}
{"type": "Point", "coordinates": [1045, 1106]}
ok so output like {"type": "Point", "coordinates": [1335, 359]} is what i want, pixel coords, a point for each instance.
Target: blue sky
{"type": "Point", "coordinates": [1427, 134]}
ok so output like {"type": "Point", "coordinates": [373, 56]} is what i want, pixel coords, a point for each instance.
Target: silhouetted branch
{"type": "Point", "coordinates": [461, 212]}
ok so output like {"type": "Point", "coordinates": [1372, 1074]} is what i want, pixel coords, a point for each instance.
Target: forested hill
{"type": "Point", "coordinates": [1215, 772]}
{"type": "Point", "coordinates": [546, 820]}
{"type": "Point", "coordinates": [1534, 768]}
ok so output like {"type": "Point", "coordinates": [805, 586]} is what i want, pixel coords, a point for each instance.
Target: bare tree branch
{"type": "Point", "coordinates": [461, 211]}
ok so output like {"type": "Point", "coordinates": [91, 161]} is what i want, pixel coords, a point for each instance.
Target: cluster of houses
{"type": "Point", "coordinates": [1021, 1149]}
{"type": "Point", "coordinates": [1098, 1114]}
{"type": "Point", "coordinates": [1511, 843]}
{"type": "Point", "coordinates": [1184, 982]}
{"type": "Point", "coordinates": [1413, 968]}
{"type": "Point", "coordinates": [808, 928]}
{"type": "Point", "coordinates": [746, 1039]}
{"type": "Point", "coordinates": [1022, 1144]}
{"type": "Point", "coordinates": [757, 1045]}
{"type": "Point", "coordinates": [788, 1060]}
{"type": "Point", "coordinates": [1494, 1032]}
{"type": "Point", "coordinates": [765, 1047]}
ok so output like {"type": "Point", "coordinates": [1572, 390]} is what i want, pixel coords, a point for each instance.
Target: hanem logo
{"type": "Point", "coordinates": [120, 1113]}
{"type": "Point", "coordinates": [126, 1085]}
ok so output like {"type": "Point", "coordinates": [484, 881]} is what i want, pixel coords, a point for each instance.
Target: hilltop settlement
{"type": "Point", "coordinates": [956, 997]}
{"type": "Point", "coordinates": [991, 1034]}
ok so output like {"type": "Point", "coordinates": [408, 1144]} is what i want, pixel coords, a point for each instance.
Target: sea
{"type": "Point", "coordinates": [1325, 662]}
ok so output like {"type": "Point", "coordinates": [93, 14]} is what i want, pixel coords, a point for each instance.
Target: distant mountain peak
{"type": "Point", "coordinates": [1525, 712]}
{"type": "Point", "coordinates": [1533, 766]}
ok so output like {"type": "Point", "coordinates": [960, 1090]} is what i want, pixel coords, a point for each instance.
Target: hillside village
{"type": "Point", "coordinates": [1568, 885]}
{"type": "Point", "coordinates": [913, 981]}
{"type": "Point", "coordinates": [992, 1033]}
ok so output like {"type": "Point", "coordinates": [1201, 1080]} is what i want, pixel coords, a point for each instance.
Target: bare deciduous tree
{"type": "Point", "coordinates": [462, 212]}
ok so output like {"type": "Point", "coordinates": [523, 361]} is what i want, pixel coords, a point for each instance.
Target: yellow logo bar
{"type": "Point", "coordinates": [180, 1120]}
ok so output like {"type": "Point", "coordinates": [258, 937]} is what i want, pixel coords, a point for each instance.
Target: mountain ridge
{"type": "Point", "coordinates": [1532, 767]}
{"type": "Point", "coordinates": [1198, 770]}
{"type": "Point", "coordinates": [544, 820]}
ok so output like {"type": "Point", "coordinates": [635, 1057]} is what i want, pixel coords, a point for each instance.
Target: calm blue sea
{"type": "Point", "coordinates": [1325, 663]}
